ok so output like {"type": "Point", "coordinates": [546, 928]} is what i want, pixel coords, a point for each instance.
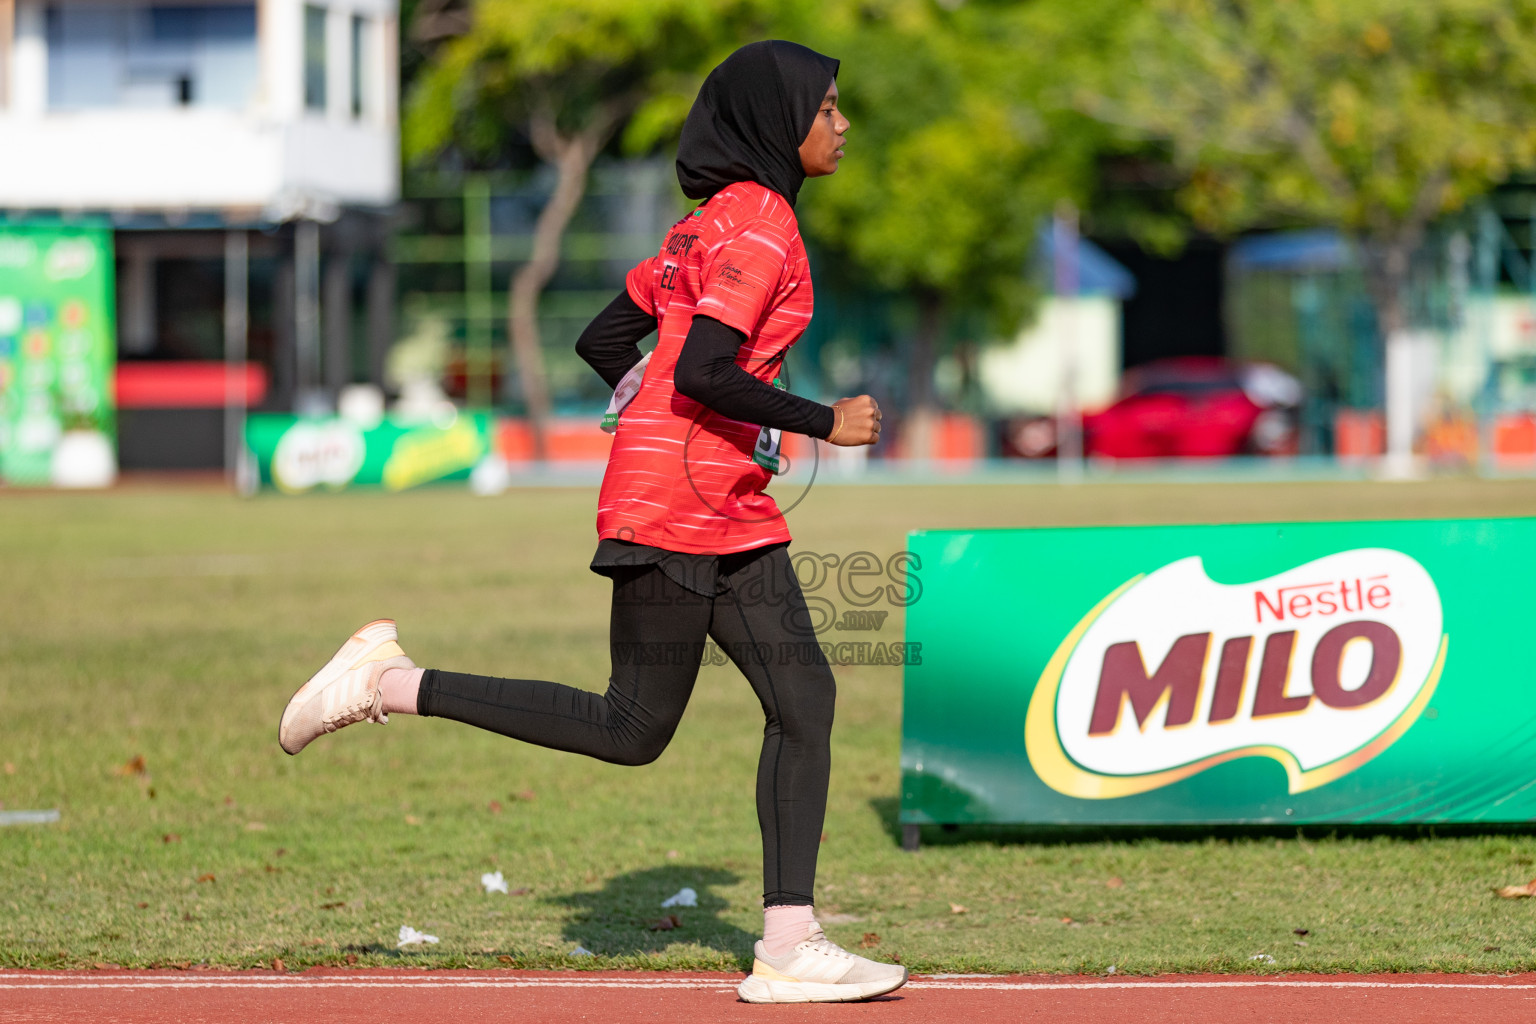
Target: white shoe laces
{"type": "Point", "coordinates": [826, 947]}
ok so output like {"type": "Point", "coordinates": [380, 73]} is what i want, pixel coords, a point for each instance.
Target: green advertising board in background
{"type": "Point", "coordinates": [1297, 673]}
{"type": "Point", "coordinates": [299, 454]}
{"type": "Point", "coordinates": [57, 347]}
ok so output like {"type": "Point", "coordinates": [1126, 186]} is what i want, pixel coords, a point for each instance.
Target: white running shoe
{"type": "Point", "coordinates": [346, 690]}
{"type": "Point", "coordinates": [818, 970]}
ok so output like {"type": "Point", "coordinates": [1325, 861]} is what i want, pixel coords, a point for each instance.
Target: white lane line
{"type": "Point", "coordinates": [23, 982]}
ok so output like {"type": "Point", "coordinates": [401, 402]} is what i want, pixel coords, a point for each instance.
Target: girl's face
{"type": "Point", "coordinates": [823, 147]}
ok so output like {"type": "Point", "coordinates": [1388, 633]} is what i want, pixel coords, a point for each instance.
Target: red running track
{"type": "Point", "coordinates": [555, 997]}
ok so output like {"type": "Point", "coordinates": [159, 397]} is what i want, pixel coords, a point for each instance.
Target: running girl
{"type": "Point", "coordinates": [695, 548]}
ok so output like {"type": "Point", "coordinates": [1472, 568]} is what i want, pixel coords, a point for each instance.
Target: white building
{"type": "Point", "coordinates": [246, 152]}
{"type": "Point", "coordinates": [1025, 376]}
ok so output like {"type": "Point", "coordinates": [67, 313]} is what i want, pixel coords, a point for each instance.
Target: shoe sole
{"type": "Point", "coordinates": [763, 990]}
{"type": "Point", "coordinates": [346, 658]}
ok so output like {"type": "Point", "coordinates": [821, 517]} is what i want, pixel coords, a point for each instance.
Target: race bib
{"type": "Point", "coordinates": [766, 452]}
{"type": "Point", "coordinates": [625, 393]}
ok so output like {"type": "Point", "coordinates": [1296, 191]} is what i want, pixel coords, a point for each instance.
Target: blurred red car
{"type": "Point", "coordinates": [1190, 407]}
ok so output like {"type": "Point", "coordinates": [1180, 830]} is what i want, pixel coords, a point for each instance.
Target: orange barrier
{"type": "Point", "coordinates": [1514, 439]}
{"type": "Point", "coordinates": [960, 439]}
{"type": "Point", "coordinates": [1359, 434]}
{"type": "Point", "coordinates": [957, 438]}
{"type": "Point", "coordinates": [568, 439]}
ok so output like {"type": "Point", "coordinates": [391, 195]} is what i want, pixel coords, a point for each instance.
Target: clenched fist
{"type": "Point", "coordinates": [855, 421]}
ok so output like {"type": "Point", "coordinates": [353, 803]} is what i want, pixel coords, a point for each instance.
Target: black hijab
{"type": "Point", "coordinates": [752, 113]}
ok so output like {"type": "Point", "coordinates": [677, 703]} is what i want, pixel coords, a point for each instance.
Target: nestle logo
{"type": "Point", "coordinates": [1303, 600]}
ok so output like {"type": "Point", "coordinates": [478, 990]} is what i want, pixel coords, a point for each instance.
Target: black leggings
{"type": "Point", "coordinates": [656, 638]}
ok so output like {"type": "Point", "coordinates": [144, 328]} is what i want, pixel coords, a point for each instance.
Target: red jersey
{"type": "Point", "coordinates": [680, 476]}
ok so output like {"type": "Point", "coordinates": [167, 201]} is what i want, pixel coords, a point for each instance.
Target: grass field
{"type": "Point", "coordinates": [173, 625]}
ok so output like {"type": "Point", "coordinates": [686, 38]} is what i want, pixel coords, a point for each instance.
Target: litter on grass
{"type": "Point", "coordinates": [684, 897]}
{"type": "Point", "coordinates": [410, 936]}
{"type": "Point", "coordinates": [581, 951]}
{"type": "Point", "coordinates": [29, 817]}
{"type": "Point", "coordinates": [1263, 958]}
{"type": "Point", "coordinates": [493, 882]}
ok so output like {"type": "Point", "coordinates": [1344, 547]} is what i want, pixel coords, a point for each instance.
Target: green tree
{"type": "Point", "coordinates": [1373, 115]}
{"type": "Point", "coordinates": [566, 78]}
{"type": "Point", "coordinates": [964, 139]}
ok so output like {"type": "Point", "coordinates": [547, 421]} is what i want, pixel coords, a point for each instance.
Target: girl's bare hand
{"type": "Point", "coordinates": [856, 421]}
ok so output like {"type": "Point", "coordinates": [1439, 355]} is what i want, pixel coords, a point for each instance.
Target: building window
{"type": "Point", "coordinates": [359, 63]}
{"type": "Point", "coordinates": [314, 57]}
{"type": "Point", "coordinates": [132, 55]}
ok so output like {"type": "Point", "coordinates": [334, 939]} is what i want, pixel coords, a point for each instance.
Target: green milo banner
{"type": "Point", "coordinates": [57, 345]}
{"type": "Point", "coordinates": [1301, 672]}
{"type": "Point", "coordinates": [297, 454]}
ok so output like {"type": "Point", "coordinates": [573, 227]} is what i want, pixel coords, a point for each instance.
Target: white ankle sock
{"type": "Point", "coordinates": [784, 928]}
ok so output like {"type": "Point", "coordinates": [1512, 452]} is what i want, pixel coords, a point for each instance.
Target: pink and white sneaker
{"type": "Point", "coordinates": [817, 970]}
{"type": "Point", "coordinates": [346, 690]}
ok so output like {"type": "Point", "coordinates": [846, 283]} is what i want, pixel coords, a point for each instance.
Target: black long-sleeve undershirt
{"type": "Point", "coordinates": [706, 370]}
{"type": "Point", "coordinates": [708, 373]}
{"type": "Point", "coordinates": [611, 342]}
